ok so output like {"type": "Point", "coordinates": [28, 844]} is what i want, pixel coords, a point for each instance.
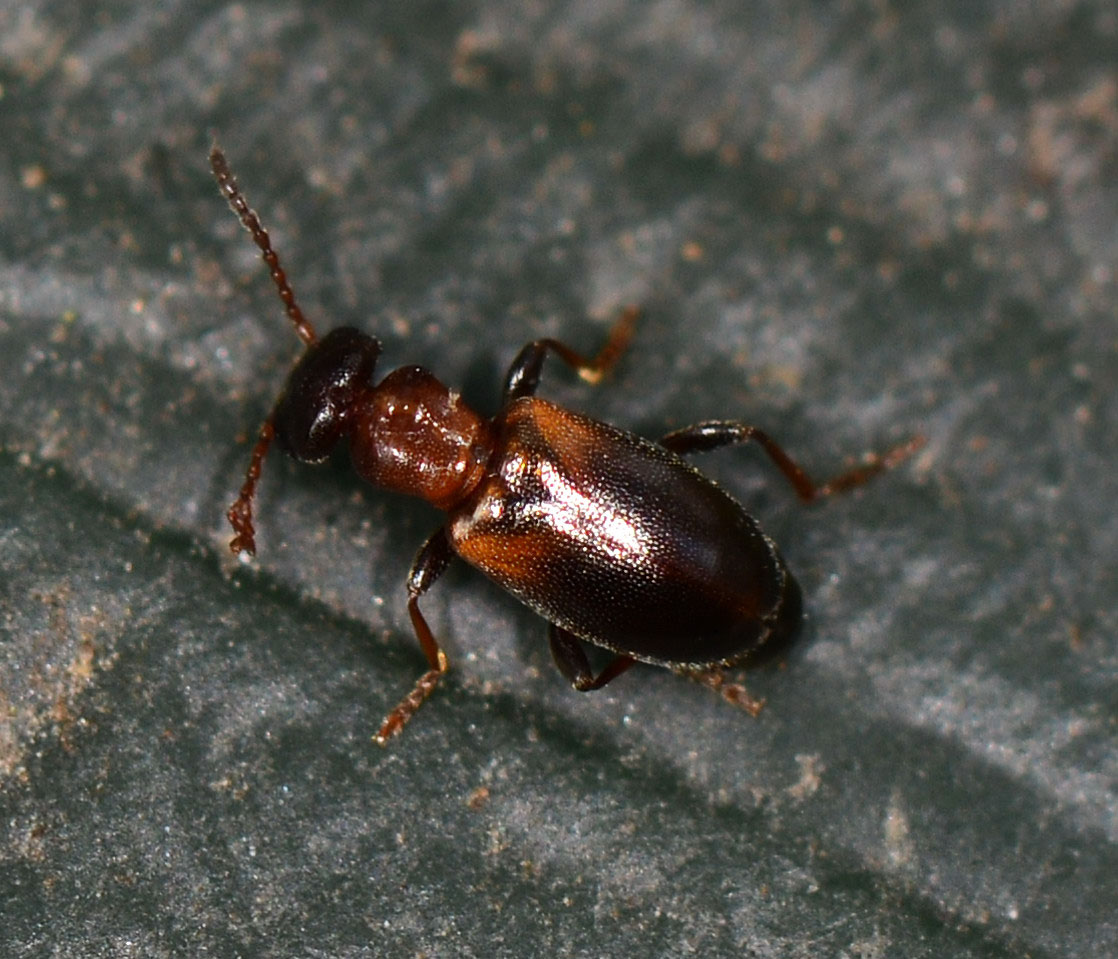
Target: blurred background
{"type": "Point", "coordinates": [845, 223]}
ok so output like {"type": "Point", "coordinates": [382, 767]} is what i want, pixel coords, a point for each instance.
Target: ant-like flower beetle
{"type": "Point", "coordinates": [615, 540]}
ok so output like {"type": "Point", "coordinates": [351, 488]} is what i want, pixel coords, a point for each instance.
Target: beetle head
{"type": "Point", "coordinates": [311, 416]}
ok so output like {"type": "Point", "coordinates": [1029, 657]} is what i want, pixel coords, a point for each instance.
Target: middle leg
{"type": "Point", "coordinates": [524, 374]}
{"type": "Point", "coordinates": [570, 657]}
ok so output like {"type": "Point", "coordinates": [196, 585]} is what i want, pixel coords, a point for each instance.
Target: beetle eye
{"type": "Point", "coordinates": [310, 417]}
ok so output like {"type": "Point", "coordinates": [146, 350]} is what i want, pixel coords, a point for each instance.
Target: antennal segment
{"type": "Point", "coordinates": [228, 185]}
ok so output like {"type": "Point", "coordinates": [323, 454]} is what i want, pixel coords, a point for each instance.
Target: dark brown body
{"type": "Point", "coordinates": [614, 540]}
{"type": "Point", "coordinates": [621, 542]}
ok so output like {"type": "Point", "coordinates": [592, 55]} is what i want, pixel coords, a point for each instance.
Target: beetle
{"type": "Point", "coordinates": [615, 540]}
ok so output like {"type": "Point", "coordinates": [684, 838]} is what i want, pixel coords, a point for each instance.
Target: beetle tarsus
{"type": "Point", "coordinates": [734, 693]}
{"type": "Point", "coordinates": [398, 718]}
{"type": "Point", "coordinates": [524, 374]}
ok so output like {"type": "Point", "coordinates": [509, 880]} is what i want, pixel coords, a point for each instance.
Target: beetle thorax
{"type": "Point", "coordinates": [412, 434]}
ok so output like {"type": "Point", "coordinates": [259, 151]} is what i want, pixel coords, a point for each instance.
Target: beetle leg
{"type": "Point", "coordinates": [709, 436]}
{"type": "Point", "coordinates": [430, 562]}
{"type": "Point", "coordinates": [524, 375]}
{"type": "Point", "coordinates": [732, 692]}
{"type": "Point", "coordinates": [571, 659]}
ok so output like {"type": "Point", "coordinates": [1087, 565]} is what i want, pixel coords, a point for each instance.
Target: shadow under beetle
{"type": "Point", "coordinates": [613, 539]}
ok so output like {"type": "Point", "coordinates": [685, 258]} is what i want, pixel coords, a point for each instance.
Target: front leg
{"type": "Point", "coordinates": [429, 565]}
{"type": "Point", "coordinates": [524, 375]}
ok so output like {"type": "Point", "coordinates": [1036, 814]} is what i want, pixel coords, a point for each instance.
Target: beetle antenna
{"type": "Point", "coordinates": [232, 193]}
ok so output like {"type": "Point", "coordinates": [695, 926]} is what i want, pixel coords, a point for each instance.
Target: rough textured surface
{"type": "Point", "coordinates": [845, 222]}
